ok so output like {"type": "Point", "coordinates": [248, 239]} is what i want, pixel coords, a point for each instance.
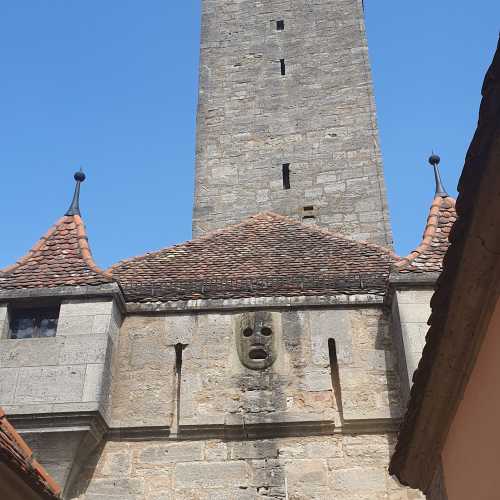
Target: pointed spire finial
{"type": "Point", "coordinates": [434, 160]}
{"type": "Point", "coordinates": [74, 208]}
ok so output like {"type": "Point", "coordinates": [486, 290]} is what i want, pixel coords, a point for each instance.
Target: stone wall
{"type": "Point", "coordinates": [410, 312]}
{"type": "Point", "coordinates": [344, 467]}
{"type": "Point", "coordinates": [217, 390]}
{"type": "Point", "coordinates": [319, 117]}
{"type": "Point", "coordinates": [65, 373]}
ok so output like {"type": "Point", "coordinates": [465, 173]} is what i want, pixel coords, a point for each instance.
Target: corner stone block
{"type": "Point", "coordinates": [93, 383]}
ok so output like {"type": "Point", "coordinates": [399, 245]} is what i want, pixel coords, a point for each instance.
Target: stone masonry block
{"type": "Point", "coordinates": [211, 475]}
{"type": "Point", "coordinates": [414, 313]}
{"type": "Point", "coordinates": [50, 384]}
{"type": "Point", "coordinates": [75, 325]}
{"type": "Point", "coordinates": [87, 307]}
{"type": "Point", "coordinates": [171, 453]}
{"type": "Point", "coordinates": [8, 380]}
{"type": "Point", "coordinates": [359, 480]}
{"type": "Point", "coordinates": [30, 352]}
{"type": "Point", "coordinates": [82, 349]}
{"type": "Point", "coordinates": [92, 387]}
{"type": "Point", "coordinates": [3, 312]}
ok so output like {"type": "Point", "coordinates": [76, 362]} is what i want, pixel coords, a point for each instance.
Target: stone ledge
{"type": "Point", "coordinates": [112, 289]}
{"type": "Point", "coordinates": [257, 302]}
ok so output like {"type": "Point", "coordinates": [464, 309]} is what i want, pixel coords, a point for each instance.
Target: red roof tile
{"type": "Point", "coordinates": [17, 455]}
{"type": "Point", "coordinates": [428, 256]}
{"type": "Point", "coordinates": [265, 255]}
{"type": "Point", "coordinates": [61, 258]}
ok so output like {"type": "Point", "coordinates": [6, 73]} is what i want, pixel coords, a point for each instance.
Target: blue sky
{"type": "Point", "coordinates": [112, 86]}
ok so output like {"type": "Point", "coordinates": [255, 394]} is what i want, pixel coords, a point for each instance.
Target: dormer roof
{"type": "Point", "coordinates": [265, 255]}
{"type": "Point", "coordinates": [61, 257]}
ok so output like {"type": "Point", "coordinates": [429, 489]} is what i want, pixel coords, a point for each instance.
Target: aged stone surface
{"type": "Point", "coordinates": [68, 372]}
{"type": "Point", "coordinates": [319, 118]}
{"type": "Point", "coordinates": [410, 313]}
{"type": "Point", "coordinates": [344, 467]}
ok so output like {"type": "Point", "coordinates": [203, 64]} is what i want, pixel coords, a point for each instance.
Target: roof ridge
{"type": "Point", "coordinates": [249, 220]}
{"type": "Point", "coordinates": [83, 243]}
{"type": "Point", "coordinates": [429, 231]}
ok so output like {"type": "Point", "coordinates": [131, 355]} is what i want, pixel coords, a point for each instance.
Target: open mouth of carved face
{"type": "Point", "coordinates": [257, 353]}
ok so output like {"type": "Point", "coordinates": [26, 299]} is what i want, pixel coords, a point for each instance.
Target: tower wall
{"type": "Point", "coordinates": [318, 118]}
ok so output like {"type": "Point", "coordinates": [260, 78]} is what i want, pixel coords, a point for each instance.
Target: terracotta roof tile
{"type": "Point", "coordinates": [265, 255]}
{"type": "Point", "coordinates": [428, 256]}
{"type": "Point", "coordinates": [61, 258]}
{"type": "Point", "coordinates": [17, 455]}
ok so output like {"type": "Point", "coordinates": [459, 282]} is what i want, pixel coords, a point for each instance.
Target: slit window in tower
{"type": "Point", "coordinates": [335, 374]}
{"type": "Point", "coordinates": [286, 175]}
{"type": "Point", "coordinates": [280, 25]}
{"type": "Point", "coordinates": [283, 67]}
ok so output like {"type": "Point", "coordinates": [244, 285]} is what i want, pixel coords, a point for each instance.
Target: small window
{"type": "Point", "coordinates": [280, 25]}
{"type": "Point", "coordinates": [26, 323]}
{"type": "Point", "coordinates": [308, 212]}
{"type": "Point", "coordinates": [286, 175]}
{"type": "Point", "coordinates": [283, 67]}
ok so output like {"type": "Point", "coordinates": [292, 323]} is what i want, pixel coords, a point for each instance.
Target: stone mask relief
{"type": "Point", "coordinates": [256, 339]}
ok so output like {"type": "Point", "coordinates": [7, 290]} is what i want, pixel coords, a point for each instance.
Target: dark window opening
{"type": "Point", "coordinates": [280, 25]}
{"type": "Point", "coordinates": [283, 67]}
{"type": "Point", "coordinates": [309, 208]}
{"type": "Point", "coordinates": [33, 323]}
{"type": "Point", "coordinates": [286, 175]}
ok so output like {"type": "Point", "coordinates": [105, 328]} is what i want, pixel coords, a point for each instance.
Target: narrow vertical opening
{"type": "Point", "coordinates": [178, 378]}
{"type": "Point", "coordinates": [286, 175]}
{"type": "Point", "coordinates": [335, 374]}
{"type": "Point", "coordinates": [280, 25]}
{"type": "Point", "coordinates": [283, 67]}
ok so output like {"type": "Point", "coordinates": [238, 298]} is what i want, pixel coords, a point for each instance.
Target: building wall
{"type": "Point", "coordinates": [319, 117]}
{"type": "Point", "coordinates": [231, 432]}
{"type": "Point", "coordinates": [64, 373]}
{"type": "Point", "coordinates": [470, 455]}
{"type": "Point", "coordinates": [344, 467]}
{"type": "Point", "coordinates": [410, 313]}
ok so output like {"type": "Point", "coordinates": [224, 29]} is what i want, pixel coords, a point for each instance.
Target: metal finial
{"type": "Point", "coordinates": [74, 208]}
{"type": "Point", "coordinates": [434, 160]}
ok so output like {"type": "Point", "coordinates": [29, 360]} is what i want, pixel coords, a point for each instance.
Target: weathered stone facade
{"type": "Point", "coordinates": [344, 467]}
{"type": "Point", "coordinates": [270, 360]}
{"type": "Point", "coordinates": [318, 118]}
{"type": "Point", "coordinates": [230, 432]}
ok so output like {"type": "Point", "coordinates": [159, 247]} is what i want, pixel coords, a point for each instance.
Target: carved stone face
{"type": "Point", "coordinates": [256, 339]}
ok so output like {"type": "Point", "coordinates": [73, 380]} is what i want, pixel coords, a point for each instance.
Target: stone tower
{"type": "Point", "coordinates": [286, 117]}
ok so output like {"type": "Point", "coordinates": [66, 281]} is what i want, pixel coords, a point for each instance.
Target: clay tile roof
{"type": "Point", "coordinates": [16, 454]}
{"type": "Point", "coordinates": [265, 255]}
{"type": "Point", "coordinates": [61, 258]}
{"type": "Point", "coordinates": [428, 256]}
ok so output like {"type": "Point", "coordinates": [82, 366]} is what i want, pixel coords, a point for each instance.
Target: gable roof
{"type": "Point", "coordinates": [265, 255]}
{"type": "Point", "coordinates": [429, 255]}
{"type": "Point", "coordinates": [17, 455]}
{"type": "Point", "coordinates": [61, 258]}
